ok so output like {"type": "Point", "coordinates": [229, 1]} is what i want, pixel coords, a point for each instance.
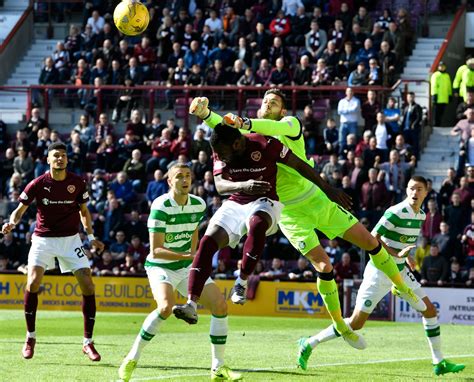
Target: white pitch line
{"type": "Point", "coordinates": [294, 367]}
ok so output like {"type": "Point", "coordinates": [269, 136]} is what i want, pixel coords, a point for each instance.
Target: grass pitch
{"type": "Point", "coordinates": [263, 348]}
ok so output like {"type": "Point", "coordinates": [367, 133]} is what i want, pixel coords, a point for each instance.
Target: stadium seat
{"type": "Point", "coordinates": [251, 107]}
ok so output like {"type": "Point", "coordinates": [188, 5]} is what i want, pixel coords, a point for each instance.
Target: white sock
{"type": "Point", "coordinates": [30, 334]}
{"type": "Point", "coordinates": [433, 335]}
{"type": "Point", "coordinates": [149, 329]}
{"type": "Point", "coordinates": [193, 304]}
{"type": "Point", "coordinates": [218, 335]}
{"type": "Point", "coordinates": [324, 335]}
{"type": "Point", "coordinates": [87, 341]}
{"type": "Point", "coordinates": [241, 281]}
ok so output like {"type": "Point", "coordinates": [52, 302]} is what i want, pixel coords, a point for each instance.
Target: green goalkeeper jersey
{"type": "Point", "coordinates": [178, 223]}
{"type": "Point", "coordinates": [291, 186]}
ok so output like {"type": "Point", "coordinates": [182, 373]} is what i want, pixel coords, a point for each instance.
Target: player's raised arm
{"type": "Point", "coordinates": [86, 221]}
{"type": "Point", "coordinates": [157, 249]}
{"type": "Point", "coordinates": [15, 218]}
{"type": "Point", "coordinates": [336, 195]}
{"type": "Point", "coordinates": [251, 186]}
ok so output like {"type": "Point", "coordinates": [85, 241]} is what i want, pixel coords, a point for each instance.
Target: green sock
{"type": "Point", "coordinates": [384, 261]}
{"type": "Point", "coordinates": [328, 291]}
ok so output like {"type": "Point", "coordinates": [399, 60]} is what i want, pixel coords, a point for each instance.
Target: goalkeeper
{"type": "Point", "coordinates": [306, 207]}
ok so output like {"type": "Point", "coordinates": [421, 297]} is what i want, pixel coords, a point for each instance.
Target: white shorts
{"type": "Point", "coordinates": [376, 285]}
{"type": "Point", "coordinates": [234, 217]}
{"type": "Point", "coordinates": [68, 250]}
{"type": "Point", "coordinates": [178, 279]}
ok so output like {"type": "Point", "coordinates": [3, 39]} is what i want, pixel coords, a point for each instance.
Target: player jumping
{"type": "Point", "coordinates": [173, 226]}
{"type": "Point", "coordinates": [61, 199]}
{"type": "Point", "coordinates": [398, 230]}
{"type": "Point", "coordinates": [306, 207]}
{"type": "Point", "coordinates": [245, 166]}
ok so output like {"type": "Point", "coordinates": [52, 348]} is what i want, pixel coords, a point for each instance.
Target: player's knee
{"type": "Point", "coordinates": [258, 222]}
{"type": "Point", "coordinates": [356, 324]}
{"type": "Point", "coordinates": [325, 267]}
{"type": "Point", "coordinates": [33, 285]}
{"type": "Point", "coordinates": [430, 310]}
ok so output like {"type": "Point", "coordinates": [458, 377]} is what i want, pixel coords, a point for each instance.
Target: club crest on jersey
{"type": "Point", "coordinates": [219, 165]}
{"type": "Point", "coordinates": [71, 188]}
{"type": "Point", "coordinates": [45, 201]}
{"type": "Point", "coordinates": [256, 156]}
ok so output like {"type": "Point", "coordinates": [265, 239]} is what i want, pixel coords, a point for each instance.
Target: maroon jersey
{"type": "Point", "coordinates": [258, 162]}
{"type": "Point", "coordinates": [57, 203]}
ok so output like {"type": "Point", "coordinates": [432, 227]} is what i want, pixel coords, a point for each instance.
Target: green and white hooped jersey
{"type": "Point", "coordinates": [178, 223]}
{"type": "Point", "coordinates": [400, 226]}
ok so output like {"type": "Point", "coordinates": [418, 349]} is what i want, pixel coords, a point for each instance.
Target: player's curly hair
{"type": "Point", "coordinates": [224, 135]}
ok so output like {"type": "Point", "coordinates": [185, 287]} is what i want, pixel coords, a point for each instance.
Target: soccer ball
{"type": "Point", "coordinates": [131, 18]}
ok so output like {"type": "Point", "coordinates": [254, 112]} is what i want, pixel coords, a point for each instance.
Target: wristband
{"type": "Point", "coordinates": [210, 111]}
{"type": "Point", "coordinates": [90, 237]}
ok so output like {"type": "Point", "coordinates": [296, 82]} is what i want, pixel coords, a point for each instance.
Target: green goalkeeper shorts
{"type": "Point", "coordinates": [298, 221]}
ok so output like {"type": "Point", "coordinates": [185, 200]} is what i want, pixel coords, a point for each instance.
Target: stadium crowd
{"type": "Point", "coordinates": [240, 43]}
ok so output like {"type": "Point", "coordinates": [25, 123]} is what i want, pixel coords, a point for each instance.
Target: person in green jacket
{"type": "Point", "coordinates": [441, 92]}
{"type": "Point", "coordinates": [458, 77]}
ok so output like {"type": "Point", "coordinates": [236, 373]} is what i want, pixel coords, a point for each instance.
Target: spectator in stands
{"type": "Point", "coordinates": [201, 166]}
{"type": "Point", "coordinates": [243, 52]}
{"type": "Point", "coordinates": [134, 72]}
{"type": "Point", "coordinates": [263, 72]}
{"type": "Point", "coordinates": [310, 130]}
{"type": "Point", "coordinates": [85, 130]}
{"type": "Point", "coordinates": [98, 188]}
{"type": "Point", "coordinates": [431, 225]}
{"type": "Point", "coordinates": [348, 109]}
{"type": "Point", "coordinates": [223, 53]}
{"type": "Point", "coordinates": [467, 240]}
{"type": "Point", "coordinates": [277, 50]}
{"type": "Point", "coordinates": [130, 267]}
{"type": "Point", "coordinates": [96, 21]}
{"type": "Point", "coordinates": [441, 92]}
{"type": "Point", "coordinates": [392, 115]}
{"type": "Point", "coordinates": [195, 78]}
{"type": "Point", "coordinates": [76, 153]}
{"type": "Point", "coordinates": [161, 153]}
{"type": "Point", "coordinates": [165, 35]}
{"type": "Point", "coordinates": [236, 73]}
{"type": "Point", "coordinates": [461, 110]}
{"type": "Point", "coordinates": [41, 151]}
{"type": "Point", "coordinates": [21, 140]}
{"type": "Point", "coordinates": [111, 219]}
{"type": "Point", "coordinates": [331, 136]}
{"type": "Point", "coordinates": [456, 217]}
{"type": "Point", "coordinates": [146, 55]}
{"type": "Point", "coordinates": [276, 271]}
{"type": "Point", "coordinates": [448, 186]}
{"type": "Point", "coordinates": [176, 76]}
{"type": "Point", "coordinates": [199, 144]}
{"type": "Point", "coordinates": [215, 24]}
{"type": "Point", "coordinates": [356, 37]}
{"type": "Point", "coordinates": [280, 25]}
{"type": "Point", "coordinates": [334, 251]}
{"type": "Point", "coordinates": [302, 74]}
{"type": "Point", "coordinates": [456, 275]}
{"type": "Point", "coordinates": [347, 62]}
{"type": "Point", "coordinates": [406, 30]}
{"type": "Point", "coordinates": [373, 197]}
{"type": "Point", "coordinates": [209, 185]}
{"type": "Point", "coordinates": [383, 134]}
{"type": "Point", "coordinates": [363, 19]}
{"type": "Point", "coordinates": [260, 41]}
{"type": "Point", "coordinates": [247, 79]}
{"type": "Point", "coordinates": [105, 265]}
{"type": "Point", "coordinates": [411, 123]}
{"type": "Point", "coordinates": [280, 75]}
{"type": "Point", "coordinates": [464, 126]}
{"type": "Point", "coordinates": [136, 125]}
{"type": "Point", "coordinates": [470, 277]}
{"type": "Point", "coordinates": [182, 144]}
{"type": "Point", "coordinates": [465, 193]}
{"type": "Point", "coordinates": [221, 272]}
{"type": "Point", "coordinates": [135, 170]}
{"type": "Point", "coordinates": [125, 53]}
{"type": "Point", "coordinates": [107, 154]}
{"type": "Point", "coordinates": [315, 41]}
{"type": "Point", "coordinates": [62, 62]}
{"type": "Point", "coordinates": [248, 24]}
{"type": "Point", "coordinates": [359, 76]}
{"type": "Point", "coordinates": [435, 268]}
{"type": "Point", "coordinates": [337, 35]}
{"type": "Point", "coordinates": [135, 227]}
{"type": "Point", "coordinates": [377, 35]}
{"type": "Point", "coordinates": [330, 57]}
{"type": "Point", "coordinates": [374, 73]}
{"type": "Point", "coordinates": [348, 146]}
{"type": "Point", "coordinates": [23, 165]}
{"type": "Point", "coordinates": [14, 184]}
{"type": "Point", "coordinates": [366, 52]}
{"type": "Point", "coordinates": [73, 42]}
{"type": "Point", "coordinates": [302, 271]}
{"type": "Point", "coordinates": [321, 75]}
{"type": "Point", "coordinates": [123, 188]}
{"type": "Point", "coordinates": [444, 241]}
{"type": "Point", "coordinates": [346, 269]}
{"type": "Point", "coordinates": [422, 250]}
{"type": "Point", "coordinates": [34, 124]}
{"type": "Point", "coordinates": [388, 63]}
{"type": "Point", "coordinates": [369, 111]}
{"type": "Point", "coordinates": [396, 41]}
{"type": "Point", "coordinates": [300, 23]}
{"type": "Point", "coordinates": [99, 71]}
{"type": "Point", "coordinates": [331, 166]}
{"type": "Point", "coordinates": [385, 19]}
{"type": "Point", "coordinates": [157, 187]}
{"type": "Point", "coordinates": [119, 246]}
{"type": "Point", "coordinates": [396, 175]}
{"type": "Point", "coordinates": [49, 76]}
{"type": "Point", "coordinates": [363, 143]}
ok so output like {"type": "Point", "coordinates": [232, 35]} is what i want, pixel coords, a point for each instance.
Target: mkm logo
{"type": "Point", "coordinates": [298, 301]}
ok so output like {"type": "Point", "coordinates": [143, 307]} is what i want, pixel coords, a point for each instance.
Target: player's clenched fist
{"type": "Point", "coordinates": [233, 120]}
{"type": "Point", "coordinates": [98, 245]}
{"type": "Point", "coordinates": [256, 187]}
{"type": "Point", "coordinates": [199, 107]}
{"type": "Point", "coordinates": [7, 228]}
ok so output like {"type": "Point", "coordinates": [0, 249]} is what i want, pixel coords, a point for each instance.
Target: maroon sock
{"type": "Point", "coordinates": [202, 266]}
{"type": "Point", "coordinates": [31, 306]}
{"type": "Point", "coordinates": [88, 312]}
{"type": "Point", "coordinates": [253, 247]}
